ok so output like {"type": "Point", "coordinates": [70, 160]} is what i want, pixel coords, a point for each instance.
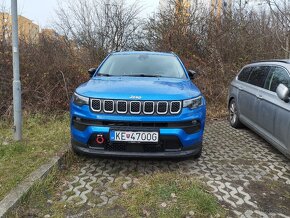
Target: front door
{"type": "Point", "coordinates": [276, 116]}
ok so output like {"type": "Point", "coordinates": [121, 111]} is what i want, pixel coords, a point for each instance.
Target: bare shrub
{"type": "Point", "coordinates": [50, 71]}
{"type": "Point", "coordinates": [216, 47]}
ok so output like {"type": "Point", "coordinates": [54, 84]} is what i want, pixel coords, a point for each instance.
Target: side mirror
{"type": "Point", "coordinates": [191, 74]}
{"type": "Point", "coordinates": [92, 71]}
{"type": "Point", "coordinates": [283, 92]}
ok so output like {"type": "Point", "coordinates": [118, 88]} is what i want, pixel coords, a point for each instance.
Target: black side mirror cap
{"type": "Point", "coordinates": [191, 74]}
{"type": "Point", "coordinates": [92, 71]}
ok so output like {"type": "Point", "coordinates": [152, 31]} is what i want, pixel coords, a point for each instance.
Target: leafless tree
{"type": "Point", "coordinates": [280, 11]}
{"type": "Point", "coordinates": [216, 46]}
{"type": "Point", "coordinates": [178, 27]}
{"type": "Point", "coordinates": [100, 26]}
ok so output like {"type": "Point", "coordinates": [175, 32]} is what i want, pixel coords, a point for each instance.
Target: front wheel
{"type": "Point", "coordinates": [76, 152]}
{"type": "Point", "coordinates": [234, 117]}
{"type": "Point", "coordinates": [198, 155]}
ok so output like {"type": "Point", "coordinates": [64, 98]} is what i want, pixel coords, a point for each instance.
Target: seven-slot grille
{"type": "Point", "coordinates": [136, 107]}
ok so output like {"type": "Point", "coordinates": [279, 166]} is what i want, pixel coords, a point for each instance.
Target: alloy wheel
{"type": "Point", "coordinates": [233, 113]}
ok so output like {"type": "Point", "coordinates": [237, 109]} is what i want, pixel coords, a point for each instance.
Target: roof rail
{"type": "Point", "coordinates": [286, 61]}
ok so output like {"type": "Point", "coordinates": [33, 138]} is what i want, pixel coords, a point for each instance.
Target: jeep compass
{"type": "Point", "coordinates": [138, 104]}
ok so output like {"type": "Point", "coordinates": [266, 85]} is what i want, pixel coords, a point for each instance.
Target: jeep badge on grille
{"type": "Point", "coordinates": [135, 97]}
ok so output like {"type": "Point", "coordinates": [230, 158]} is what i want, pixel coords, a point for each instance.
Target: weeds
{"type": "Point", "coordinates": [43, 137]}
{"type": "Point", "coordinates": [165, 195]}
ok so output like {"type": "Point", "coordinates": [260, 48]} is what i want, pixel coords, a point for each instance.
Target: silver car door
{"type": "Point", "coordinates": [247, 100]}
{"type": "Point", "coordinates": [266, 106]}
{"type": "Point", "coordinates": [249, 94]}
{"type": "Point", "coordinates": [240, 86]}
{"type": "Point", "coordinates": [282, 109]}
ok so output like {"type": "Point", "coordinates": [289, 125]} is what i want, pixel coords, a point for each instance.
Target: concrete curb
{"type": "Point", "coordinates": [14, 197]}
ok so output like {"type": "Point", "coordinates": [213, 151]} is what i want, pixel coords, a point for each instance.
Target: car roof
{"type": "Point", "coordinates": [281, 62]}
{"type": "Point", "coordinates": [286, 61]}
{"type": "Point", "coordinates": [143, 52]}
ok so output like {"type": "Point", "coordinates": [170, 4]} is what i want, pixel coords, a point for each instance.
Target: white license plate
{"type": "Point", "coordinates": [130, 136]}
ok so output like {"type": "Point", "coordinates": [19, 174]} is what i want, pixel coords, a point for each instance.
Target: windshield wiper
{"type": "Point", "coordinates": [104, 74]}
{"type": "Point", "coordinates": [142, 75]}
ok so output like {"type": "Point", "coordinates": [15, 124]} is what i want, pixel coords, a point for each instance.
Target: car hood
{"type": "Point", "coordinates": [141, 88]}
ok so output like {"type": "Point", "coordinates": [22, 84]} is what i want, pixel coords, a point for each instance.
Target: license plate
{"type": "Point", "coordinates": [132, 136]}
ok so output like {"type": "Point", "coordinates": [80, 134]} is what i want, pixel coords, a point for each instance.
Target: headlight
{"type": "Point", "coordinates": [193, 103]}
{"type": "Point", "coordinates": [80, 100]}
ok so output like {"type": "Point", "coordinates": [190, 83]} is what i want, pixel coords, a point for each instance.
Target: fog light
{"type": "Point", "coordinates": [195, 122]}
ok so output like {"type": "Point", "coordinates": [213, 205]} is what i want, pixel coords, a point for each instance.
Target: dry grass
{"type": "Point", "coordinates": [43, 137]}
{"type": "Point", "coordinates": [164, 195]}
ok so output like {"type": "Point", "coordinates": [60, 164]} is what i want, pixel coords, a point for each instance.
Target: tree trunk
{"type": "Point", "coordinates": [287, 51]}
{"type": "Point", "coordinates": [287, 45]}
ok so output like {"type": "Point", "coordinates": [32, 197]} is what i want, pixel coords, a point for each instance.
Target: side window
{"type": "Point", "coordinates": [244, 75]}
{"type": "Point", "coordinates": [259, 76]}
{"type": "Point", "coordinates": [278, 76]}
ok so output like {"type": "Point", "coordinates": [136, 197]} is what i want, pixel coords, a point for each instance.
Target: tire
{"type": "Point", "coordinates": [234, 116]}
{"type": "Point", "coordinates": [76, 152]}
{"type": "Point", "coordinates": [198, 155]}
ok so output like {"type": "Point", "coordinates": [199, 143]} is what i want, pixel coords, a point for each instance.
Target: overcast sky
{"type": "Point", "coordinates": [42, 11]}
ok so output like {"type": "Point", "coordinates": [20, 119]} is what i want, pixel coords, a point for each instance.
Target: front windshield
{"type": "Point", "coordinates": [143, 65]}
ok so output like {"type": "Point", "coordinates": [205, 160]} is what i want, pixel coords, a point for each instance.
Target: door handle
{"type": "Point", "coordinates": [260, 96]}
{"type": "Point", "coordinates": [240, 88]}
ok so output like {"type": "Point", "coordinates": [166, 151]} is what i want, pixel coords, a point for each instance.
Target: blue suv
{"type": "Point", "coordinates": [138, 104]}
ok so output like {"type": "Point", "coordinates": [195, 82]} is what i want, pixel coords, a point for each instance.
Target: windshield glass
{"type": "Point", "coordinates": [142, 65]}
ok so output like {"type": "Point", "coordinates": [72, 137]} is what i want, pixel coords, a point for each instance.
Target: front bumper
{"type": "Point", "coordinates": [84, 149]}
{"type": "Point", "coordinates": [178, 139]}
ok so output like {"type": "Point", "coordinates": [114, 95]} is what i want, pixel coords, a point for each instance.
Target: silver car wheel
{"type": "Point", "coordinates": [233, 113]}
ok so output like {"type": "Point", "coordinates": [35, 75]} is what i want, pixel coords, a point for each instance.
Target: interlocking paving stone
{"type": "Point", "coordinates": [234, 163]}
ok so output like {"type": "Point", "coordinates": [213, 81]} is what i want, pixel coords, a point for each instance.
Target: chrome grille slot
{"type": "Point", "coordinates": [162, 107]}
{"type": "Point", "coordinates": [148, 107]}
{"type": "Point", "coordinates": [122, 107]}
{"type": "Point", "coordinates": [135, 107]}
{"type": "Point", "coordinates": [96, 105]}
{"type": "Point", "coordinates": [175, 107]}
{"type": "Point", "coordinates": [108, 106]}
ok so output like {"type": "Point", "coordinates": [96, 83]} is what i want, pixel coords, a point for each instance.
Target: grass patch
{"type": "Point", "coordinates": [45, 196]}
{"type": "Point", "coordinates": [43, 137]}
{"type": "Point", "coordinates": [165, 195]}
{"type": "Point", "coordinates": [183, 197]}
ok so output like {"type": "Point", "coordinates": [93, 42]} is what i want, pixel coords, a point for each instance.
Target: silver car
{"type": "Point", "coordinates": [259, 98]}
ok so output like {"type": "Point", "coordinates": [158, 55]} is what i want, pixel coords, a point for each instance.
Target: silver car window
{"type": "Point", "coordinates": [259, 75]}
{"type": "Point", "coordinates": [278, 76]}
{"type": "Point", "coordinates": [245, 74]}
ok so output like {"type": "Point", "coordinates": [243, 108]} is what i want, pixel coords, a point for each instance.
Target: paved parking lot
{"type": "Point", "coordinates": [247, 175]}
